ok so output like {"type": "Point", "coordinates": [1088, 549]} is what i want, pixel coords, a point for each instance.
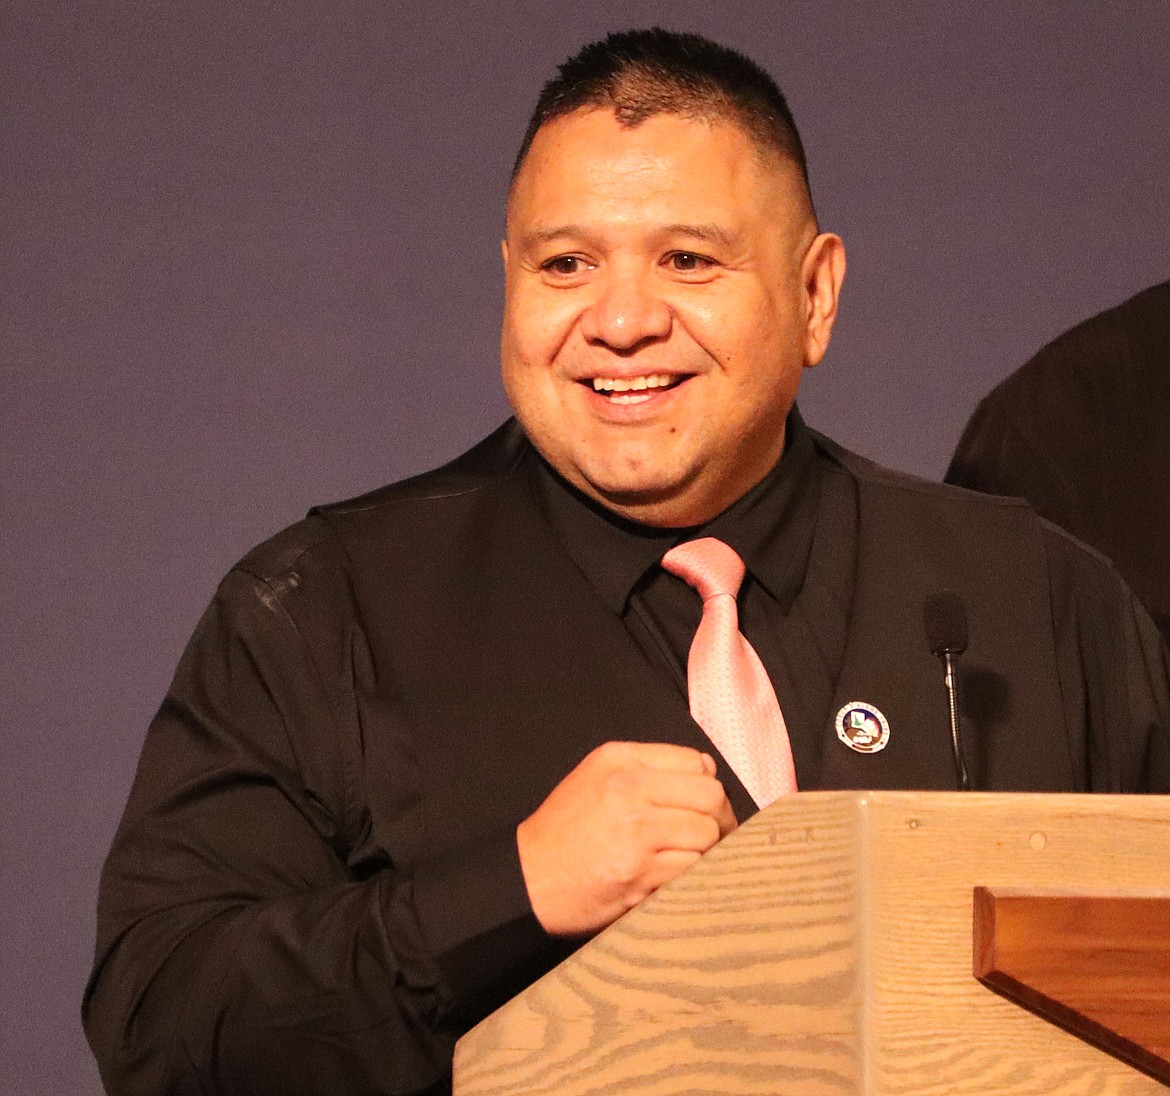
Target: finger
{"type": "Point", "coordinates": [700, 793]}
{"type": "Point", "coordinates": [659, 755]}
{"type": "Point", "coordinates": [695, 791]}
{"type": "Point", "coordinates": [679, 830]}
{"type": "Point", "coordinates": [726, 818]}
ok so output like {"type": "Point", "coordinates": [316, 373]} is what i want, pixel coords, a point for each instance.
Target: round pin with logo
{"type": "Point", "coordinates": [862, 727]}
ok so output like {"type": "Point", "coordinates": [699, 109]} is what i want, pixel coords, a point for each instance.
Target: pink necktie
{"type": "Point", "coordinates": [731, 696]}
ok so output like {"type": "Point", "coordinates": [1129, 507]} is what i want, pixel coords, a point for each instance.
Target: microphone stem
{"type": "Point", "coordinates": [953, 704]}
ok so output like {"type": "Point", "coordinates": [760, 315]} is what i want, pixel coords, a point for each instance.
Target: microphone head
{"type": "Point", "coordinates": [945, 616]}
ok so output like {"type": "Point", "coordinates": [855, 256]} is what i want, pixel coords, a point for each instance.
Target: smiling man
{"type": "Point", "coordinates": [425, 742]}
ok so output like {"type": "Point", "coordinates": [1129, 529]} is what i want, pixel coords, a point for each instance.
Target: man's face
{"type": "Point", "coordinates": [665, 287]}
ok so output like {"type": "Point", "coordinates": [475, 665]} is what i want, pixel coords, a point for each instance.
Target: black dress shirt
{"type": "Point", "coordinates": [796, 532]}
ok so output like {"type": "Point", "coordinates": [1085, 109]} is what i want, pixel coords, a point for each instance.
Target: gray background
{"type": "Point", "coordinates": [250, 263]}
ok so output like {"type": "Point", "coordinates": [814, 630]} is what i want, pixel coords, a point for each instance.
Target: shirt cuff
{"type": "Point", "coordinates": [475, 915]}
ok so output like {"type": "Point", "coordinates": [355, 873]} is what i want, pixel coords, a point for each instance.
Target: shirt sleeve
{"type": "Point", "coordinates": [1114, 671]}
{"type": "Point", "coordinates": [252, 936]}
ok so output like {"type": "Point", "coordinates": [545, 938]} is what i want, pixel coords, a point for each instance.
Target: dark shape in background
{"type": "Point", "coordinates": [250, 262]}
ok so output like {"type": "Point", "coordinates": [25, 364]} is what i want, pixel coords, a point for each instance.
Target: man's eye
{"type": "Point", "coordinates": [687, 262]}
{"type": "Point", "coordinates": [564, 264]}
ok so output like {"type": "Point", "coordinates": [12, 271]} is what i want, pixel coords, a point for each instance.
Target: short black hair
{"type": "Point", "coordinates": [641, 73]}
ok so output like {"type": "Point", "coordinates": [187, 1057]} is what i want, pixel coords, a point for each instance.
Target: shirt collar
{"type": "Point", "coordinates": [771, 527]}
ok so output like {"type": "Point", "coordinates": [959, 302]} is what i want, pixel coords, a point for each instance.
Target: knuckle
{"type": "Point", "coordinates": [610, 755]}
{"type": "Point", "coordinates": [626, 785]}
{"type": "Point", "coordinates": [623, 872]}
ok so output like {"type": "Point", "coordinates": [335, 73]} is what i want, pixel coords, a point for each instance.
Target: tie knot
{"type": "Point", "coordinates": [709, 565]}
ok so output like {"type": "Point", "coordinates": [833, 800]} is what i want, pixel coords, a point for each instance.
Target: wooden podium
{"type": "Point", "coordinates": [826, 947]}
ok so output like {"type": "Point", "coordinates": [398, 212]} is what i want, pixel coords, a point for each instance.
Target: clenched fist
{"type": "Point", "coordinates": [629, 818]}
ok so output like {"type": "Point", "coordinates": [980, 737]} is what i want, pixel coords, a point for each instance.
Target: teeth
{"type": "Point", "coordinates": [628, 397]}
{"type": "Point", "coordinates": [632, 384]}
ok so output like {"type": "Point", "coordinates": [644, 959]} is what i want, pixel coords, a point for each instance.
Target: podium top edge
{"type": "Point", "coordinates": [1155, 807]}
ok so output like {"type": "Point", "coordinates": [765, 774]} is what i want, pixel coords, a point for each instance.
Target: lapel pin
{"type": "Point", "coordinates": [862, 727]}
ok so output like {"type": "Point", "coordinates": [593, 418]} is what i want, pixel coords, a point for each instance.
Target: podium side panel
{"type": "Point", "coordinates": [740, 977]}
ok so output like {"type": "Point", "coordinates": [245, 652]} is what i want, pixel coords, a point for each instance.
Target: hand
{"type": "Point", "coordinates": [629, 818]}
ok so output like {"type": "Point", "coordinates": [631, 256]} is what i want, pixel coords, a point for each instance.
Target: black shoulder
{"type": "Point", "coordinates": [276, 560]}
{"type": "Point", "coordinates": [1082, 364]}
{"type": "Point", "coordinates": [1065, 549]}
{"type": "Point", "coordinates": [312, 544]}
{"type": "Point", "coordinates": [877, 475]}
{"type": "Point", "coordinates": [496, 457]}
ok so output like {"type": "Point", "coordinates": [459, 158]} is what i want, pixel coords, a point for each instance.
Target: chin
{"type": "Point", "coordinates": [658, 502]}
{"type": "Point", "coordinates": [627, 490]}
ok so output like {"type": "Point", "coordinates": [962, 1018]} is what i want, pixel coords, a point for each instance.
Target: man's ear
{"type": "Point", "coordinates": [822, 273]}
{"type": "Point", "coordinates": [504, 252]}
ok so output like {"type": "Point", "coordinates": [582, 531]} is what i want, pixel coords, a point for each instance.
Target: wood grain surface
{"type": "Point", "coordinates": [825, 948]}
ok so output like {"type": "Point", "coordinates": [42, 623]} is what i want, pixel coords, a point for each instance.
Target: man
{"type": "Point", "coordinates": [1080, 431]}
{"type": "Point", "coordinates": [425, 742]}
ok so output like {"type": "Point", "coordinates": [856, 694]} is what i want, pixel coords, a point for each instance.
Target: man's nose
{"type": "Point", "coordinates": [626, 311]}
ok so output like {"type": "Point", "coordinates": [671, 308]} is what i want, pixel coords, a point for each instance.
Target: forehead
{"type": "Point", "coordinates": [590, 159]}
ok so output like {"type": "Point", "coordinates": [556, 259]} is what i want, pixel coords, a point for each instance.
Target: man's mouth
{"type": "Point", "coordinates": [635, 389]}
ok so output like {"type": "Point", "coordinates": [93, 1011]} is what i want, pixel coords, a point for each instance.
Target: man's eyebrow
{"type": "Point", "coordinates": [708, 233]}
{"type": "Point", "coordinates": [547, 235]}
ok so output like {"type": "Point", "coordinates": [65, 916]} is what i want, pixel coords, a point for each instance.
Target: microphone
{"type": "Point", "coordinates": [945, 616]}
